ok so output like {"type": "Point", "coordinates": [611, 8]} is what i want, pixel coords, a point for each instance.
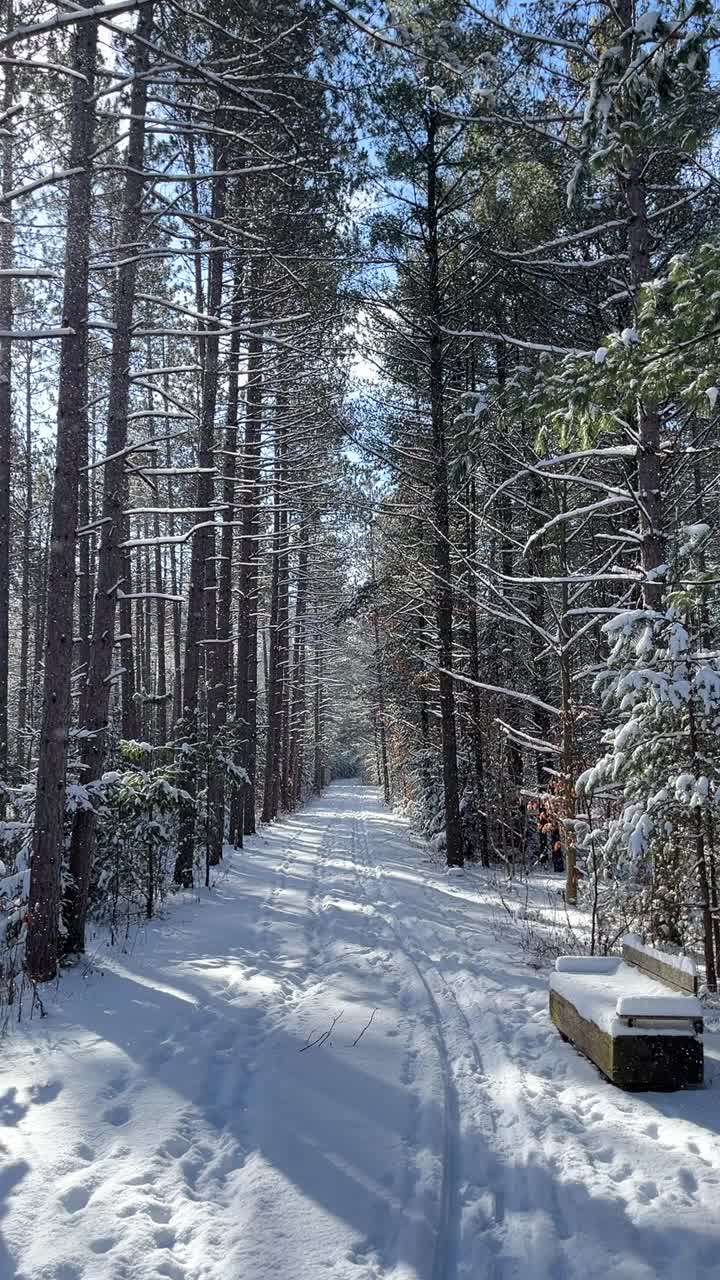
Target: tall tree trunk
{"type": "Point", "coordinates": [423, 697]}
{"type": "Point", "coordinates": [568, 752]}
{"type": "Point", "coordinates": [6, 324]}
{"type": "Point", "coordinates": [380, 719]}
{"type": "Point", "coordinates": [161, 681]}
{"type": "Point", "coordinates": [38, 664]}
{"type": "Point", "coordinates": [250, 804]}
{"type": "Point", "coordinates": [25, 695]}
{"type": "Point", "coordinates": [129, 722]}
{"type": "Point", "coordinates": [476, 709]}
{"type": "Point", "coordinates": [84, 577]}
{"type": "Point", "coordinates": [441, 517]}
{"type": "Point", "coordinates": [202, 601]}
{"type": "Point", "coordinates": [248, 582]}
{"type": "Point", "coordinates": [318, 771]}
{"type": "Point", "coordinates": [283, 637]}
{"type": "Point", "coordinates": [227, 541]}
{"type": "Point", "coordinates": [44, 895]}
{"type": "Point", "coordinates": [649, 479]}
{"type": "Point", "coordinates": [148, 686]}
{"type": "Point", "coordinates": [273, 691]}
{"type": "Point", "coordinates": [514, 825]}
{"type": "Point", "coordinates": [298, 684]}
{"type": "Point", "coordinates": [113, 565]}
{"type": "Point", "coordinates": [174, 589]}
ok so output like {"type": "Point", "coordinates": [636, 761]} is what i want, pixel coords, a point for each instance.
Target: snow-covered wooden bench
{"type": "Point", "coordinates": [636, 1017]}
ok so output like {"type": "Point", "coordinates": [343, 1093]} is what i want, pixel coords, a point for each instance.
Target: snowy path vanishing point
{"type": "Point", "coordinates": [167, 1122]}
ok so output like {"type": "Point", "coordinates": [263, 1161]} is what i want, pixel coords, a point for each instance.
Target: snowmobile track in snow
{"type": "Point", "coordinates": [448, 1225]}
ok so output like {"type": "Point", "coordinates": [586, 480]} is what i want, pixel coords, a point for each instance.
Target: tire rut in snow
{"type": "Point", "coordinates": [486, 1148]}
{"type": "Point", "coordinates": [447, 1233]}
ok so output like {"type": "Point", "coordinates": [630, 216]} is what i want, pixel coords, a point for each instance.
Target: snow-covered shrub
{"type": "Point", "coordinates": [138, 818]}
{"type": "Point", "coordinates": [652, 798]}
{"type": "Point", "coordinates": [203, 762]}
{"type": "Point", "coordinates": [426, 808]}
{"type": "Point", "coordinates": [137, 811]}
{"type": "Point", "coordinates": [424, 804]}
{"type": "Point", "coordinates": [15, 839]}
{"type": "Point", "coordinates": [15, 854]}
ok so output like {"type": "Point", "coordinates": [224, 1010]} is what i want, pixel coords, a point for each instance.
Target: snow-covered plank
{"type": "Point", "coordinates": [679, 971]}
{"type": "Point", "coordinates": [658, 1007]}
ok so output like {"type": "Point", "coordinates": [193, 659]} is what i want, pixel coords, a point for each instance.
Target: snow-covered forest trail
{"type": "Point", "coordinates": [176, 1116]}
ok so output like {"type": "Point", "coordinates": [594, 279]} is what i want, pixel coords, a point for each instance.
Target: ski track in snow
{"type": "Point", "coordinates": [171, 1118]}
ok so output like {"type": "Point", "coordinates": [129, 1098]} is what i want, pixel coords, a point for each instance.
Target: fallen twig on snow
{"type": "Point", "coordinates": [367, 1024]}
{"type": "Point", "coordinates": [311, 1044]}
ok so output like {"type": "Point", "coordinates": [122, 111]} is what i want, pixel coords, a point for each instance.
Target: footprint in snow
{"type": "Point", "coordinates": [118, 1084]}
{"type": "Point", "coordinates": [694, 1150]}
{"type": "Point", "coordinates": [191, 1170]}
{"type": "Point", "coordinates": [162, 1054]}
{"type": "Point", "coordinates": [158, 1212]}
{"type": "Point", "coordinates": [117, 1116]}
{"type": "Point", "coordinates": [103, 1244]}
{"type": "Point", "coordinates": [363, 1255]}
{"type": "Point", "coordinates": [688, 1181]}
{"type": "Point", "coordinates": [83, 1152]}
{"type": "Point", "coordinates": [169, 1271]}
{"type": "Point", "coordinates": [175, 1147]}
{"type": "Point", "coordinates": [45, 1092]}
{"type": "Point", "coordinates": [67, 1271]}
{"type": "Point", "coordinates": [75, 1199]}
{"type": "Point", "coordinates": [164, 1238]}
{"type": "Point", "coordinates": [646, 1192]}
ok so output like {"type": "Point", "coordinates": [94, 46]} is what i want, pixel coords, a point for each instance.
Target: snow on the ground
{"type": "Point", "coordinates": [171, 1118]}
